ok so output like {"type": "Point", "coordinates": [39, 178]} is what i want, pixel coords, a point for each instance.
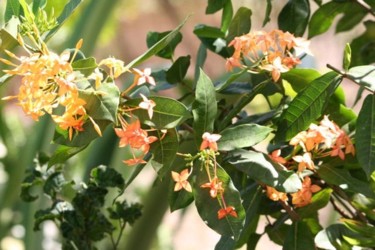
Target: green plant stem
{"type": "Point", "coordinates": [155, 205]}
{"type": "Point", "coordinates": [246, 99]}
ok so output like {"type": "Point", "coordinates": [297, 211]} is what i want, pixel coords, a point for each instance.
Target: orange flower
{"type": "Point", "coordinates": [276, 68]}
{"type": "Point", "coordinates": [303, 197]}
{"type": "Point", "coordinates": [134, 161]}
{"type": "Point", "coordinates": [275, 156]}
{"type": "Point", "coordinates": [144, 76]}
{"type": "Point", "coordinates": [148, 105]}
{"type": "Point", "coordinates": [275, 195]}
{"type": "Point", "coordinates": [209, 141]}
{"type": "Point", "coordinates": [304, 161]}
{"type": "Point", "coordinates": [181, 180]}
{"type": "Point", "coordinates": [224, 212]}
{"type": "Point", "coordinates": [215, 187]}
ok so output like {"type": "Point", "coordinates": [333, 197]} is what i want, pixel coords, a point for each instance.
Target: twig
{"type": "Point", "coordinates": [367, 8]}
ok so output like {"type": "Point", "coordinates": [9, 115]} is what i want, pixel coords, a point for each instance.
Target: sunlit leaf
{"type": "Point", "coordinates": [294, 17]}
{"type": "Point", "coordinates": [300, 78]}
{"type": "Point", "coordinates": [204, 107]}
{"type": "Point", "coordinates": [86, 65]}
{"type": "Point", "coordinates": [365, 136]}
{"type": "Point", "coordinates": [307, 106]}
{"type": "Point", "coordinates": [347, 57]}
{"type": "Point", "coordinates": [240, 24]}
{"type": "Point", "coordinates": [227, 15]}
{"type": "Point", "coordinates": [363, 75]}
{"type": "Point", "coordinates": [260, 167]}
{"type": "Point", "coordinates": [242, 136]}
{"type": "Point", "coordinates": [12, 8]}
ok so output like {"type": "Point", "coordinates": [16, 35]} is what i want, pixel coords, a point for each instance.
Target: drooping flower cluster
{"type": "Point", "coordinates": [137, 138]}
{"type": "Point", "coordinates": [48, 81]}
{"type": "Point", "coordinates": [207, 156]}
{"type": "Point", "coordinates": [275, 51]}
{"type": "Point", "coordinates": [325, 139]}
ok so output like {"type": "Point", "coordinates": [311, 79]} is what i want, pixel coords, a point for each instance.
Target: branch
{"type": "Point", "coordinates": [365, 7]}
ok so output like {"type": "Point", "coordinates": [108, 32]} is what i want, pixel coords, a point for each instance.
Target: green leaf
{"type": "Point", "coordinates": [370, 3]}
{"type": "Point", "coordinates": [201, 58]}
{"type": "Point", "coordinates": [202, 30]}
{"type": "Point", "coordinates": [353, 15]}
{"type": "Point", "coordinates": [277, 232]}
{"type": "Point", "coordinates": [363, 47]}
{"type": "Point", "coordinates": [204, 107]}
{"type": "Point", "coordinates": [168, 51]}
{"type": "Point", "coordinates": [122, 210]}
{"type": "Point", "coordinates": [268, 13]}
{"type": "Point", "coordinates": [347, 57]}
{"type": "Point", "coordinates": [12, 8]}
{"type": "Point", "coordinates": [106, 177]}
{"type": "Point", "coordinates": [208, 206]}
{"type": "Point", "coordinates": [53, 213]}
{"type": "Point", "coordinates": [306, 107]}
{"type": "Point", "coordinates": [227, 15]}
{"type": "Point", "coordinates": [300, 78]}
{"type": "Point", "coordinates": [363, 75]}
{"type": "Point", "coordinates": [86, 66]}
{"type": "Point", "coordinates": [164, 150]}
{"type": "Point", "coordinates": [54, 184]}
{"type": "Point", "coordinates": [365, 136]}
{"type": "Point", "coordinates": [299, 237]}
{"type": "Point", "coordinates": [68, 10]}
{"type": "Point", "coordinates": [342, 178]}
{"type": "Point", "coordinates": [294, 17]}
{"type": "Point", "coordinates": [102, 104]}
{"type": "Point", "coordinates": [38, 4]}
{"type": "Point", "coordinates": [8, 34]}
{"type": "Point", "coordinates": [63, 153]}
{"type": "Point", "coordinates": [168, 113]}
{"type": "Point", "coordinates": [215, 5]}
{"type": "Point", "coordinates": [242, 136]}
{"type": "Point", "coordinates": [318, 201]}
{"type": "Point", "coordinates": [260, 167]}
{"type": "Point", "coordinates": [157, 47]}
{"type": "Point", "coordinates": [323, 17]}
{"type": "Point", "coordinates": [177, 72]}
{"type": "Point", "coordinates": [240, 25]}
{"type": "Point", "coordinates": [331, 238]}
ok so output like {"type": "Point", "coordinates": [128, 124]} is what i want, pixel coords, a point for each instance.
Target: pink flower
{"type": "Point", "coordinates": [209, 141]}
{"type": "Point", "coordinates": [148, 105]}
{"type": "Point", "coordinates": [144, 76]}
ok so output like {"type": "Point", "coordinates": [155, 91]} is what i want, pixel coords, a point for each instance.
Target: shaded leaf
{"type": "Point", "coordinates": [177, 72]}
{"type": "Point", "coordinates": [202, 30]}
{"type": "Point", "coordinates": [106, 177]}
{"type": "Point", "coordinates": [168, 51]}
{"type": "Point", "coordinates": [277, 233]}
{"type": "Point", "coordinates": [363, 47]}
{"type": "Point", "coordinates": [306, 107]}
{"type": "Point", "coordinates": [267, 13]}
{"type": "Point", "coordinates": [242, 136]}
{"type": "Point", "coordinates": [168, 113]}
{"type": "Point", "coordinates": [299, 237]}
{"type": "Point", "coordinates": [260, 167]}
{"type": "Point", "coordinates": [365, 136]}
{"type": "Point", "coordinates": [63, 153]}
{"type": "Point", "coordinates": [8, 34]}
{"type": "Point", "coordinates": [294, 17]}
{"type": "Point", "coordinates": [204, 107]}
{"type": "Point", "coordinates": [215, 5]}
{"type": "Point", "coordinates": [240, 25]}
{"type": "Point", "coordinates": [353, 15]}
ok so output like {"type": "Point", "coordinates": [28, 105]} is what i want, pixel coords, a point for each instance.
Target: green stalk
{"type": "Point", "coordinates": [144, 230]}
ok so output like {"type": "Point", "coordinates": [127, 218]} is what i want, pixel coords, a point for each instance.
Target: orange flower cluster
{"type": "Point", "coordinates": [275, 51]}
{"type": "Point", "coordinates": [137, 138]}
{"type": "Point", "coordinates": [47, 82]}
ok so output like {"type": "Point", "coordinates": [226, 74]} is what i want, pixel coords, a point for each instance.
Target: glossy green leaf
{"type": "Point", "coordinates": [294, 17]}
{"type": "Point", "coordinates": [323, 17]}
{"type": "Point", "coordinates": [105, 177]}
{"type": "Point", "coordinates": [227, 15]}
{"type": "Point", "coordinates": [164, 150]}
{"type": "Point", "coordinates": [240, 25]}
{"type": "Point", "coordinates": [365, 136]}
{"type": "Point", "coordinates": [331, 238]}
{"type": "Point", "coordinates": [363, 47]}
{"type": "Point", "coordinates": [242, 136]}
{"type": "Point", "coordinates": [232, 77]}
{"type": "Point", "coordinates": [277, 232]}
{"type": "Point", "coordinates": [318, 201]}
{"type": "Point", "coordinates": [86, 65]}
{"type": "Point", "coordinates": [353, 15]}
{"type": "Point", "coordinates": [201, 59]}
{"type": "Point", "coordinates": [204, 107]}
{"type": "Point", "coordinates": [306, 107]}
{"type": "Point", "coordinates": [177, 72]}
{"type": "Point", "coordinates": [300, 78]}
{"type": "Point", "coordinates": [208, 207]}
{"type": "Point", "coordinates": [225, 243]}
{"type": "Point", "coordinates": [363, 75]}
{"type": "Point", "coordinates": [202, 30]}
{"type": "Point", "coordinates": [215, 5]}
{"type": "Point", "coordinates": [299, 237]}
{"type": "Point", "coordinates": [68, 10]}
{"type": "Point", "coordinates": [168, 113]}
{"type": "Point", "coordinates": [260, 167]}
{"type": "Point", "coordinates": [168, 51]}
{"type": "Point", "coordinates": [347, 57]}
{"type": "Point", "coordinates": [165, 41]}
{"type": "Point", "coordinates": [63, 153]}
{"type": "Point", "coordinates": [12, 8]}
{"type": "Point", "coordinates": [179, 199]}
{"type": "Point", "coordinates": [343, 179]}
{"type": "Point", "coordinates": [267, 15]}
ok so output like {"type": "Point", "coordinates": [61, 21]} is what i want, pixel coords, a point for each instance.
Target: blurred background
{"type": "Point", "coordinates": [119, 28]}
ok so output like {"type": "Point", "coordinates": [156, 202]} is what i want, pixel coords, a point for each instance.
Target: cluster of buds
{"type": "Point", "coordinates": [325, 139]}
{"type": "Point", "coordinates": [207, 155]}
{"type": "Point", "coordinates": [48, 81]}
{"type": "Point", "coordinates": [275, 51]}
